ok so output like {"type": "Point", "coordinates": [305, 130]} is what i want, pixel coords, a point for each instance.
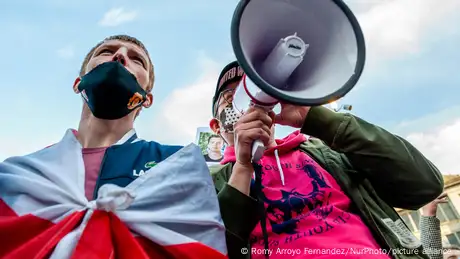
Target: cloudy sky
{"type": "Point", "coordinates": [410, 85]}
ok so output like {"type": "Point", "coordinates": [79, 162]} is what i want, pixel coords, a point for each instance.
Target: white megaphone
{"type": "Point", "coordinates": [302, 52]}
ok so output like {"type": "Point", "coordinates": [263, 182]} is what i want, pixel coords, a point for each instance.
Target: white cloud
{"type": "Point", "coordinates": [117, 16]}
{"type": "Point", "coordinates": [396, 27]}
{"type": "Point", "coordinates": [22, 142]}
{"type": "Point", "coordinates": [13, 148]}
{"type": "Point", "coordinates": [425, 123]}
{"type": "Point", "coordinates": [441, 145]}
{"type": "Point", "coordinates": [437, 136]}
{"type": "Point", "coordinates": [66, 52]}
{"type": "Point", "coordinates": [187, 108]}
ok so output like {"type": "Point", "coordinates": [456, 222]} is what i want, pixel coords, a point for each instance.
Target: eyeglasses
{"type": "Point", "coordinates": [227, 95]}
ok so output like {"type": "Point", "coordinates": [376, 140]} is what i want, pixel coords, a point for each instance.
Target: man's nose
{"type": "Point", "coordinates": [120, 56]}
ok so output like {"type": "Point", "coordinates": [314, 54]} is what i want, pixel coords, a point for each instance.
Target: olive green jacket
{"type": "Point", "coordinates": [378, 171]}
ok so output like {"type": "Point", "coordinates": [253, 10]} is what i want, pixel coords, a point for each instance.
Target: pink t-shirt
{"type": "Point", "coordinates": [308, 217]}
{"type": "Point", "coordinates": [92, 158]}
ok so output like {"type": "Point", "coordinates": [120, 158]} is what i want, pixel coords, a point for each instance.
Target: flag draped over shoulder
{"type": "Point", "coordinates": [170, 212]}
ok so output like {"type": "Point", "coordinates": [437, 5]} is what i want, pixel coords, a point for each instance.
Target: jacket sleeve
{"type": "Point", "coordinates": [400, 174]}
{"type": "Point", "coordinates": [240, 215]}
{"type": "Point", "coordinates": [430, 235]}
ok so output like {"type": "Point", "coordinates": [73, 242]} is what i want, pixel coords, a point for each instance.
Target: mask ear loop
{"type": "Point", "coordinates": [226, 143]}
{"type": "Point", "coordinates": [221, 95]}
{"type": "Point", "coordinates": [220, 132]}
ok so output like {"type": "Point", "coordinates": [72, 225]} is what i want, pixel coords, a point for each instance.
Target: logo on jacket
{"type": "Point", "coordinates": [137, 174]}
{"type": "Point", "coordinates": [285, 213]}
{"type": "Point", "coordinates": [150, 164]}
{"type": "Point", "coordinates": [147, 166]}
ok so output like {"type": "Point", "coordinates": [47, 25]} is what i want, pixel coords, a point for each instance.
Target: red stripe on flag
{"type": "Point", "coordinates": [105, 236]}
{"type": "Point", "coordinates": [29, 236]}
{"type": "Point", "coordinates": [95, 241]}
{"type": "Point", "coordinates": [6, 211]}
{"type": "Point", "coordinates": [126, 246]}
{"type": "Point", "coordinates": [194, 250]}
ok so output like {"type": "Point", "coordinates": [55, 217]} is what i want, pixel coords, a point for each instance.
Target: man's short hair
{"type": "Point", "coordinates": [213, 136]}
{"type": "Point", "coordinates": [125, 38]}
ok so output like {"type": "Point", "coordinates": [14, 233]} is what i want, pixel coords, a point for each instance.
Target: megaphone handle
{"type": "Point", "coordinates": [258, 147]}
{"type": "Point", "coordinates": [258, 150]}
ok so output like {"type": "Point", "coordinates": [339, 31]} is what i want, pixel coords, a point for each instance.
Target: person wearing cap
{"type": "Point", "coordinates": [331, 192]}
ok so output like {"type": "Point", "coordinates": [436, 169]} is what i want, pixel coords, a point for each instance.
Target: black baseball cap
{"type": "Point", "coordinates": [230, 74]}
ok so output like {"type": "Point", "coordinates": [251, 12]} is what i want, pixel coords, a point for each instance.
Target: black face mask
{"type": "Point", "coordinates": [111, 91]}
{"type": "Point", "coordinates": [228, 117]}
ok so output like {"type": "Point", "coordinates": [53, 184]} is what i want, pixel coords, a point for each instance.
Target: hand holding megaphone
{"type": "Point", "coordinates": [253, 127]}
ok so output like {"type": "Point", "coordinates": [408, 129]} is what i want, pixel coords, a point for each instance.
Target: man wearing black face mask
{"type": "Point", "coordinates": [102, 192]}
{"type": "Point", "coordinates": [116, 80]}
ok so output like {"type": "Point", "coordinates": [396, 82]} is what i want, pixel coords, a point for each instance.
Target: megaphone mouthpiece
{"type": "Point", "coordinates": [283, 60]}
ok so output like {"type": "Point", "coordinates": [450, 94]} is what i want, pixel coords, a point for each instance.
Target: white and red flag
{"type": "Point", "coordinates": [169, 212]}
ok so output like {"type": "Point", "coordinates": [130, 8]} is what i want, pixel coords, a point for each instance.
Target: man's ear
{"type": "Point", "coordinates": [75, 85]}
{"type": "Point", "coordinates": [214, 125]}
{"type": "Point", "coordinates": [149, 101]}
